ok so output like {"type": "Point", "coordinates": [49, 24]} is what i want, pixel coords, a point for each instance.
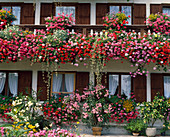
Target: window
{"type": "Point", "coordinates": [63, 83]}
{"type": "Point", "coordinates": [167, 86]}
{"type": "Point", "coordinates": [126, 9]}
{"type": "Point", "coordinates": [8, 83]}
{"type": "Point", "coordinates": [166, 10]}
{"type": "Point", "coordinates": [66, 10]}
{"type": "Point", "coordinates": [120, 84]}
{"type": "Point", "coordinates": [16, 10]}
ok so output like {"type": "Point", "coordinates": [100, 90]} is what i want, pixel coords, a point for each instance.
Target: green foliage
{"type": "Point", "coordinates": [157, 109]}
{"type": "Point", "coordinates": [136, 126]}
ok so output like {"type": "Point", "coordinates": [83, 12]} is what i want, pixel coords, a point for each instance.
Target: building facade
{"type": "Point", "coordinates": [15, 77]}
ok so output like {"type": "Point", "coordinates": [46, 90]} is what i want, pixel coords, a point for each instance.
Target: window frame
{"type": "Point", "coordinates": [66, 5]}
{"type": "Point", "coordinates": [120, 8]}
{"type": "Point", "coordinates": [18, 4]}
{"type": "Point", "coordinates": [6, 86]}
{"type": "Point", "coordinates": [51, 92]}
{"type": "Point", "coordinates": [163, 75]}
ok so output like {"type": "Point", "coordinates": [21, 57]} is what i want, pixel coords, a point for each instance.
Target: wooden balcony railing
{"type": "Point", "coordinates": [86, 29]}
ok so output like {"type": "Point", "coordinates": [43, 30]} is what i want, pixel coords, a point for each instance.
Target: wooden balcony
{"type": "Point", "coordinates": [87, 29]}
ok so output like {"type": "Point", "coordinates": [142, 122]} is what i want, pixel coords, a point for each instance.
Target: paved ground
{"type": "Point", "coordinates": [116, 136]}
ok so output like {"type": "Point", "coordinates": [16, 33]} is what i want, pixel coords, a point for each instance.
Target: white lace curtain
{"type": "Point", "coordinates": [126, 85]}
{"type": "Point", "coordinates": [2, 81]}
{"type": "Point", "coordinates": [66, 10]}
{"type": "Point", "coordinates": [69, 82]}
{"type": "Point", "coordinates": [13, 83]}
{"type": "Point", "coordinates": [113, 83]}
{"type": "Point", "coordinates": [114, 9]}
{"type": "Point", "coordinates": [16, 10]}
{"type": "Point", "coordinates": [57, 80]}
{"type": "Point", "coordinates": [167, 86]}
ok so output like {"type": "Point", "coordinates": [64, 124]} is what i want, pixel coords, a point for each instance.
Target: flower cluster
{"type": "Point", "coordinates": [59, 22]}
{"type": "Point", "coordinates": [123, 109]}
{"type": "Point", "coordinates": [159, 23]}
{"type": "Point", "coordinates": [62, 109]}
{"type": "Point", "coordinates": [115, 21]}
{"type": "Point", "coordinates": [6, 17]}
{"type": "Point", "coordinates": [64, 47]}
{"type": "Point", "coordinates": [95, 107]}
{"type": "Point", "coordinates": [52, 133]}
{"type": "Point", "coordinates": [5, 107]}
{"type": "Point", "coordinates": [26, 114]}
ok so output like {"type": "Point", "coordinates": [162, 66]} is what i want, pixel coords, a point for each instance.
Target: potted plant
{"type": "Point", "coordinates": [135, 126]}
{"type": "Point", "coordinates": [95, 108]}
{"type": "Point", "coordinates": [152, 111]}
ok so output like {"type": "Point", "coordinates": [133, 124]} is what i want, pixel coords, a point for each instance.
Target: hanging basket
{"type": "Point", "coordinates": [97, 131]}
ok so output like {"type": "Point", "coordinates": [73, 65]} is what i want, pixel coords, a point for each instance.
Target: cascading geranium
{"type": "Point", "coordinates": [159, 22]}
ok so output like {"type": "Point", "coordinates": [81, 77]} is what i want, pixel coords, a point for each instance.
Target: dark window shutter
{"type": "Point", "coordinates": [101, 10]}
{"type": "Point", "coordinates": [42, 86]}
{"type": "Point", "coordinates": [46, 11]}
{"type": "Point", "coordinates": [104, 80]}
{"type": "Point", "coordinates": [82, 80]}
{"type": "Point", "coordinates": [139, 13]}
{"type": "Point", "coordinates": [83, 13]}
{"type": "Point", "coordinates": [155, 8]}
{"type": "Point", "coordinates": [27, 13]}
{"type": "Point", "coordinates": [157, 85]}
{"type": "Point", "coordinates": [139, 88]}
{"type": "Point", "coordinates": [24, 82]}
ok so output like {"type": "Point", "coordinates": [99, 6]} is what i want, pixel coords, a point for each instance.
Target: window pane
{"type": "Point", "coordinates": [113, 84]}
{"type": "Point", "coordinates": [65, 10]}
{"type": "Point", "coordinates": [2, 82]}
{"type": "Point", "coordinates": [167, 86]}
{"type": "Point", "coordinates": [7, 8]}
{"type": "Point", "coordinates": [69, 82]}
{"type": "Point", "coordinates": [57, 82]}
{"type": "Point", "coordinates": [166, 10]}
{"type": "Point", "coordinates": [13, 83]}
{"type": "Point", "coordinates": [127, 11]}
{"type": "Point", "coordinates": [16, 10]}
{"type": "Point", "coordinates": [126, 85]}
{"type": "Point", "coordinates": [114, 9]}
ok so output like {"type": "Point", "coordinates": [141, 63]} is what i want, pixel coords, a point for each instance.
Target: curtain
{"type": "Point", "coordinates": [166, 10]}
{"type": "Point", "coordinates": [126, 85]}
{"type": "Point", "coordinates": [114, 9]}
{"type": "Point", "coordinates": [13, 83]}
{"type": "Point", "coordinates": [2, 81]}
{"type": "Point", "coordinates": [57, 80]}
{"type": "Point", "coordinates": [69, 82]}
{"type": "Point", "coordinates": [65, 10]}
{"type": "Point", "coordinates": [16, 10]}
{"type": "Point", "coordinates": [113, 83]}
{"type": "Point", "coordinates": [167, 86]}
{"type": "Point", "coordinates": [127, 11]}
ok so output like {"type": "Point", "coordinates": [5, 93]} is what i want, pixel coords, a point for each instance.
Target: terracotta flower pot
{"type": "Point", "coordinates": [151, 132]}
{"type": "Point", "coordinates": [135, 134]}
{"type": "Point", "coordinates": [97, 131]}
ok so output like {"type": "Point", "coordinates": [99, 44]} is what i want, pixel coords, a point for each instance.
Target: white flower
{"type": "Point", "coordinates": [30, 103]}
{"type": "Point", "coordinates": [36, 125]}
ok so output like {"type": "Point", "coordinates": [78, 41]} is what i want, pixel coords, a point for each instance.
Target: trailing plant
{"type": "Point", "coordinates": [59, 22]}
{"type": "Point", "coordinates": [159, 22]}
